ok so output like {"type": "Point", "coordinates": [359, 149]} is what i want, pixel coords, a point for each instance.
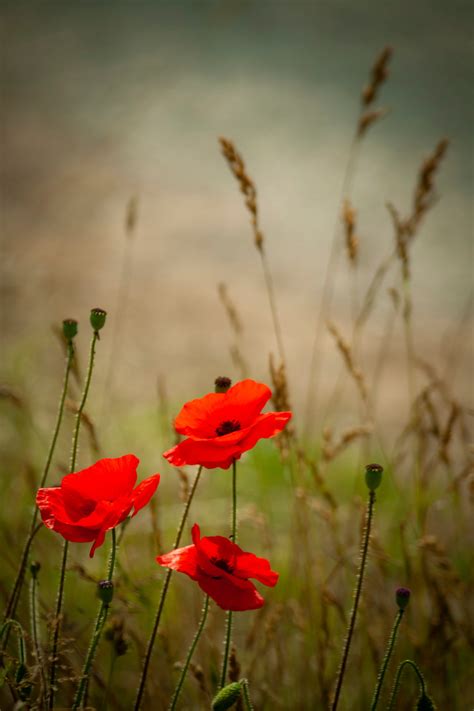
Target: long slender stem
{"type": "Point", "coordinates": [406, 662]}
{"type": "Point", "coordinates": [326, 299]}
{"type": "Point", "coordinates": [16, 592]}
{"type": "Point", "coordinates": [184, 670]}
{"type": "Point", "coordinates": [272, 301]}
{"type": "Point", "coordinates": [360, 580]}
{"type": "Point", "coordinates": [35, 632]}
{"type": "Point", "coordinates": [62, 575]}
{"type": "Point", "coordinates": [164, 591]}
{"type": "Point", "coordinates": [99, 625]}
{"type": "Point", "coordinates": [228, 633]}
{"type": "Point", "coordinates": [386, 659]}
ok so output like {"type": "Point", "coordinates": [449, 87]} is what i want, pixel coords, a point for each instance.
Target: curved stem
{"type": "Point", "coordinates": [99, 625]}
{"type": "Point", "coordinates": [245, 687]}
{"type": "Point", "coordinates": [386, 659]}
{"type": "Point", "coordinates": [62, 575]}
{"type": "Point", "coordinates": [407, 662]}
{"type": "Point", "coordinates": [164, 591]}
{"type": "Point", "coordinates": [16, 592]}
{"type": "Point", "coordinates": [360, 580]}
{"type": "Point", "coordinates": [228, 633]}
{"type": "Point", "coordinates": [184, 670]}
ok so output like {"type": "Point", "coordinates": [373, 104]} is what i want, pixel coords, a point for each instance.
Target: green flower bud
{"type": "Point", "coordinates": [227, 696]}
{"type": "Point", "coordinates": [69, 329]}
{"type": "Point", "coordinates": [222, 384]}
{"type": "Point", "coordinates": [424, 703]}
{"type": "Point", "coordinates": [97, 319]}
{"type": "Point", "coordinates": [402, 597]}
{"type": "Point", "coordinates": [105, 590]}
{"type": "Point", "coordinates": [373, 476]}
{"type": "Point", "coordinates": [35, 568]}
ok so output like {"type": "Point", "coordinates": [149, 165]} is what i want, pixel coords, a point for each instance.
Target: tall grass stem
{"type": "Point", "coordinates": [184, 670]}
{"type": "Point", "coordinates": [164, 591]}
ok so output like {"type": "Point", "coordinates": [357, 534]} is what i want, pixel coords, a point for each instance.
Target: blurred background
{"type": "Point", "coordinates": [111, 105]}
{"type": "Point", "coordinates": [101, 103]}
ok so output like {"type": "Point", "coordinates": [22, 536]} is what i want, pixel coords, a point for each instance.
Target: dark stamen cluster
{"type": "Point", "coordinates": [222, 564]}
{"type": "Point", "coordinates": [227, 427]}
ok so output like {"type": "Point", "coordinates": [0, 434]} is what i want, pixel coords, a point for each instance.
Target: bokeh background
{"type": "Point", "coordinates": [101, 103]}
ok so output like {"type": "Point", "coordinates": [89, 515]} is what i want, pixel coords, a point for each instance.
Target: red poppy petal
{"type": "Point", "coordinates": [98, 541]}
{"type": "Point", "coordinates": [249, 565]}
{"type": "Point", "coordinates": [242, 403]}
{"type": "Point", "coordinates": [105, 480]}
{"type": "Point", "coordinates": [196, 416]}
{"type": "Point", "coordinates": [267, 425]}
{"type": "Point", "coordinates": [229, 596]}
{"type": "Point", "coordinates": [202, 452]}
{"type": "Point", "coordinates": [182, 560]}
{"type": "Point", "coordinates": [245, 401]}
{"type": "Point", "coordinates": [75, 534]}
{"type": "Point", "coordinates": [50, 502]}
{"type": "Point", "coordinates": [142, 493]}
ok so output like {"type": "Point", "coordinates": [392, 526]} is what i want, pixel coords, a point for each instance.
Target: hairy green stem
{"type": "Point", "coordinates": [16, 592]}
{"type": "Point", "coordinates": [410, 663]}
{"type": "Point", "coordinates": [386, 659]}
{"type": "Point", "coordinates": [360, 580]}
{"type": "Point", "coordinates": [99, 625]}
{"type": "Point", "coordinates": [184, 670]}
{"type": "Point", "coordinates": [35, 633]}
{"type": "Point", "coordinates": [164, 591]}
{"type": "Point", "coordinates": [62, 575]}
{"type": "Point", "coordinates": [228, 633]}
{"type": "Point", "coordinates": [245, 687]}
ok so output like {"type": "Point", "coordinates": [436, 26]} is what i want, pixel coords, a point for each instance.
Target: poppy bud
{"type": "Point", "coordinates": [97, 319]}
{"type": "Point", "coordinates": [424, 703]}
{"type": "Point", "coordinates": [227, 696]}
{"type": "Point", "coordinates": [35, 568]}
{"type": "Point", "coordinates": [69, 328]}
{"type": "Point", "coordinates": [402, 596]}
{"type": "Point", "coordinates": [105, 591]}
{"type": "Point", "coordinates": [222, 384]}
{"type": "Point", "coordinates": [373, 476]}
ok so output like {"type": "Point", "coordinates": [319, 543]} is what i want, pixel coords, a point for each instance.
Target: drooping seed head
{"type": "Point", "coordinates": [227, 696]}
{"type": "Point", "coordinates": [424, 703]}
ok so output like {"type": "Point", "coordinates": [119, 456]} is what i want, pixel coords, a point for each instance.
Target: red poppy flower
{"type": "Point", "coordinates": [221, 426]}
{"type": "Point", "coordinates": [91, 502]}
{"type": "Point", "coordinates": [222, 570]}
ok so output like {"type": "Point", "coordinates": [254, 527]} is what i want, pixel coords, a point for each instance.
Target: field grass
{"type": "Point", "coordinates": [301, 504]}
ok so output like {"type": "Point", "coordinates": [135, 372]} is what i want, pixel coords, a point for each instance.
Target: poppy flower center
{"type": "Point", "coordinates": [222, 564]}
{"type": "Point", "coordinates": [227, 427]}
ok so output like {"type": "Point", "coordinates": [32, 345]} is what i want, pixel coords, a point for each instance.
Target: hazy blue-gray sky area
{"type": "Point", "coordinates": [104, 100]}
